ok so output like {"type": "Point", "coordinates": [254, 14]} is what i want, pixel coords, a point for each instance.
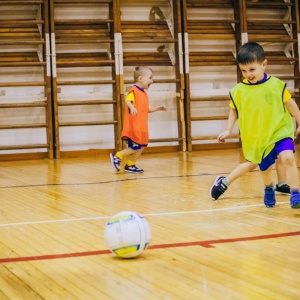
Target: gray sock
{"type": "Point", "coordinates": [225, 181]}
{"type": "Point", "coordinates": [270, 186]}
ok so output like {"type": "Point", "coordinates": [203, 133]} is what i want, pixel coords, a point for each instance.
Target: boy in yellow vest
{"type": "Point", "coordinates": [263, 107]}
{"type": "Point", "coordinates": [135, 128]}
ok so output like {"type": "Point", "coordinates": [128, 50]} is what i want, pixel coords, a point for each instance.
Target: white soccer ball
{"type": "Point", "coordinates": [127, 234]}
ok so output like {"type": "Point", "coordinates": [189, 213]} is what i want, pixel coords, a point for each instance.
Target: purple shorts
{"type": "Point", "coordinates": [282, 145]}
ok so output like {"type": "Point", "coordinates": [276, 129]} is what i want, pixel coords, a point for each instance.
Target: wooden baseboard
{"type": "Point", "coordinates": [216, 146]}
{"type": "Point", "coordinates": [24, 156]}
{"type": "Point", "coordinates": [92, 152]}
{"type": "Point", "coordinates": [95, 152]}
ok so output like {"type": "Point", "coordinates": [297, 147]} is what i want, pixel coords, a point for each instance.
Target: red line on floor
{"type": "Point", "coordinates": [205, 244]}
{"type": "Point", "coordinates": [209, 244]}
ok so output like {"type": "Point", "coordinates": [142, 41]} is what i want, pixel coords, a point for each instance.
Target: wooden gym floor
{"type": "Point", "coordinates": [53, 214]}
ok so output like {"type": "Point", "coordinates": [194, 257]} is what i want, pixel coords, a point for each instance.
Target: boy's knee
{"type": "Point", "coordinates": [251, 166]}
{"type": "Point", "coordinates": [288, 159]}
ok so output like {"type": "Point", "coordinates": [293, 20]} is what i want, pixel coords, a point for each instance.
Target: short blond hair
{"type": "Point", "coordinates": [139, 71]}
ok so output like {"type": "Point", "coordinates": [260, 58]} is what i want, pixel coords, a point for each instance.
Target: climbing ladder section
{"type": "Point", "coordinates": [150, 34]}
{"type": "Point", "coordinates": [85, 79]}
{"type": "Point", "coordinates": [25, 82]}
{"type": "Point", "coordinates": [211, 39]}
{"type": "Point", "coordinates": [275, 25]}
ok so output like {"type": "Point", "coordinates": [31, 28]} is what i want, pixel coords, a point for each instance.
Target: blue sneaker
{"type": "Point", "coordinates": [115, 161]}
{"type": "Point", "coordinates": [295, 201]}
{"type": "Point", "coordinates": [133, 169]}
{"type": "Point", "coordinates": [269, 198]}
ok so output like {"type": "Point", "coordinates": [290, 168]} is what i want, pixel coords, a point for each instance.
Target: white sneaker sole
{"type": "Point", "coordinates": [281, 193]}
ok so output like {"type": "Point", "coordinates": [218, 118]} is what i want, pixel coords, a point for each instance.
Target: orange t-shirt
{"type": "Point", "coordinates": [135, 127]}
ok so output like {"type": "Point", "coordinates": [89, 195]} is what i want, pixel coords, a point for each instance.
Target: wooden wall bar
{"type": "Point", "coordinates": [79, 58]}
{"type": "Point", "coordinates": [32, 34]}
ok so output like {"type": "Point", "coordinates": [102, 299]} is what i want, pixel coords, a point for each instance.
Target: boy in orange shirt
{"type": "Point", "coordinates": [135, 128]}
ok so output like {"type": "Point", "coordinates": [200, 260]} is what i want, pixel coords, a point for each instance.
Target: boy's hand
{"type": "Point", "coordinates": [133, 110]}
{"type": "Point", "coordinates": [157, 108]}
{"type": "Point", "coordinates": [223, 136]}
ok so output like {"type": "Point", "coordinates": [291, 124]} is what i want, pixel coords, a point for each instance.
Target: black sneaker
{"type": "Point", "coordinates": [283, 189]}
{"type": "Point", "coordinates": [133, 169]}
{"type": "Point", "coordinates": [115, 161]}
{"type": "Point", "coordinates": [269, 197]}
{"type": "Point", "coordinates": [218, 188]}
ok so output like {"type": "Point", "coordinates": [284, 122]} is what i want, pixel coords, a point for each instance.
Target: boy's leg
{"type": "Point", "coordinates": [280, 170]}
{"type": "Point", "coordinates": [130, 165]}
{"type": "Point", "coordinates": [281, 187]}
{"type": "Point", "coordinates": [288, 159]}
{"type": "Point", "coordinates": [240, 170]}
{"type": "Point", "coordinates": [267, 176]}
{"type": "Point", "coordinates": [136, 154]}
{"type": "Point", "coordinates": [221, 183]}
{"type": "Point", "coordinates": [269, 197]}
{"type": "Point", "coordinates": [117, 157]}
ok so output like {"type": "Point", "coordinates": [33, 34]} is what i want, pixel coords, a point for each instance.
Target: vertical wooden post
{"type": "Point", "coordinates": [296, 49]}
{"type": "Point", "coordinates": [47, 74]}
{"type": "Point", "coordinates": [296, 34]}
{"type": "Point", "coordinates": [187, 92]}
{"type": "Point", "coordinates": [179, 74]}
{"type": "Point", "coordinates": [119, 93]}
{"type": "Point", "coordinates": [241, 26]}
{"type": "Point", "coordinates": [54, 83]}
{"type": "Point", "coordinates": [114, 11]}
{"type": "Point", "coordinates": [243, 21]}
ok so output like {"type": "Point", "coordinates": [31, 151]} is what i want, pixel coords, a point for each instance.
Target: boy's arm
{"type": "Point", "coordinates": [230, 123]}
{"type": "Point", "coordinates": [132, 109]}
{"type": "Point", "coordinates": [161, 107]}
{"type": "Point", "coordinates": [293, 109]}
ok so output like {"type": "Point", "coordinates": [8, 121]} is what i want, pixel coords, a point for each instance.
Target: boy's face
{"type": "Point", "coordinates": [254, 71]}
{"type": "Point", "coordinates": [146, 79]}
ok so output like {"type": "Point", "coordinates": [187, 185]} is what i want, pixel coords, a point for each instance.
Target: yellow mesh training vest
{"type": "Point", "coordinates": [262, 117]}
